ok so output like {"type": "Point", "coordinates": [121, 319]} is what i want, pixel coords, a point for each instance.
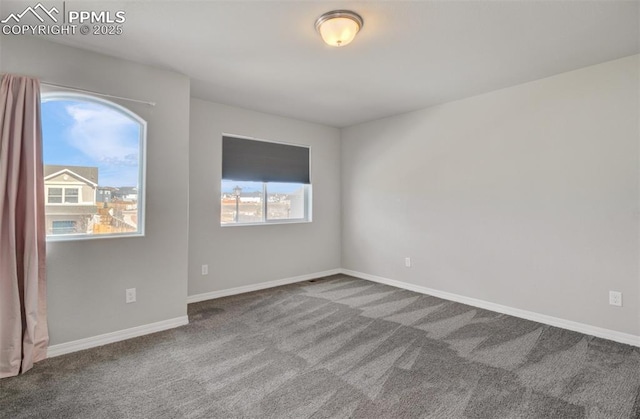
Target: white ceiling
{"type": "Point", "coordinates": [266, 55]}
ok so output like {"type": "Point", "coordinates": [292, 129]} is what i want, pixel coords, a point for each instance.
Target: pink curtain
{"type": "Point", "coordinates": [23, 324]}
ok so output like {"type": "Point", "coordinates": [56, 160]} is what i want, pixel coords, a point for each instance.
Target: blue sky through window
{"type": "Point", "coordinates": [84, 133]}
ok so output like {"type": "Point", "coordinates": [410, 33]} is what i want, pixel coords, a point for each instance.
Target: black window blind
{"type": "Point", "coordinates": [262, 161]}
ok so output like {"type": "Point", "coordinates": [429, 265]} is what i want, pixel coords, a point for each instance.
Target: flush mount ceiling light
{"type": "Point", "coordinates": [338, 28]}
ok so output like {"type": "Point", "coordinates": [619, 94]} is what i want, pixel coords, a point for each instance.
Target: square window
{"type": "Point", "coordinates": [71, 196]}
{"type": "Point", "coordinates": [63, 227]}
{"type": "Point", "coordinates": [261, 202]}
{"type": "Point", "coordinates": [54, 196]}
{"type": "Point", "coordinates": [264, 182]}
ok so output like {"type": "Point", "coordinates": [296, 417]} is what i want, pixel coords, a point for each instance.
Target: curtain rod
{"type": "Point", "coordinates": [97, 93]}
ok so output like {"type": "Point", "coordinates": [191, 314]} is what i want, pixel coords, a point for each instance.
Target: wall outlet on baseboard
{"type": "Point", "coordinates": [615, 298]}
{"type": "Point", "coordinates": [205, 269]}
{"type": "Point", "coordinates": [130, 295]}
{"type": "Point", "coordinates": [407, 262]}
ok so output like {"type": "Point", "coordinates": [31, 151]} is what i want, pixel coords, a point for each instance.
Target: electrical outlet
{"type": "Point", "coordinates": [205, 269]}
{"type": "Point", "coordinates": [130, 295]}
{"type": "Point", "coordinates": [407, 262]}
{"type": "Point", "coordinates": [615, 298]}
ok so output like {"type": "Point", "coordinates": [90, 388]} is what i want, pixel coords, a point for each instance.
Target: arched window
{"type": "Point", "coordinates": [93, 152]}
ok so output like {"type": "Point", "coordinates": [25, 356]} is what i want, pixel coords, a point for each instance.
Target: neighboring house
{"type": "Point", "coordinates": [105, 194]}
{"type": "Point", "coordinates": [251, 197]}
{"type": "Point", "coordinates": [70, 199]}
{"type": "Point", "coordinates": [125, 193]}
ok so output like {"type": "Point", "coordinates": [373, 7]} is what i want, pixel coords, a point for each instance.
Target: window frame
{"type": "Point", "coordinates": [265, 220]}
{"type": "Point", "coordinates": [308, 190]}
{"type": "Point", "coordinates": [74, 223]}
{"type": "Point", "coordinates": [56, 196]}
{"type": "Point", "coordinates": [76, 195]}
{"type": "Point", "coordinates": [51, 94]}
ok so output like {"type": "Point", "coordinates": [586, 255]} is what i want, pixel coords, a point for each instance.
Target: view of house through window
{"type": "Point", "coordinates": [257, 202]}
{"type": "Point", "coordinates": [264, 182]}
{"type": "Point", "coordinates": [93, 167]}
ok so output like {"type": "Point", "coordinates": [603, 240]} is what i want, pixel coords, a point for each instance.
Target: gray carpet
{"type": "Point", "coordinates": [338, 347]}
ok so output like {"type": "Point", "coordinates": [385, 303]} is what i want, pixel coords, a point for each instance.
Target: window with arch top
{"type": "Point", "coordinates": [94, 167]}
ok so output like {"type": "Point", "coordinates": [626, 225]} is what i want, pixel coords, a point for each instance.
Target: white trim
{"type": "Point", "coordinates": [260, 286]}
{"type": "Point", "coordinates": [71, 204]}
{"type": "Point", "coordinates": [73, 174]}
{"type": "Point", "coordinates": [268, 223]}
{"type": "Point", "coordinates": [93, 92]}
{"type": "Point", "coordinates": [600, 332]}
{"type": "Point", "coordinates": [78, 186]}
{"type": "Point", "coordinates": [142, 148]}
{"type": "Point", "coordinates": [64, 184]}
{"type": "Point", "coordinates": [265, 202]}
{"type": "Point", "coordinates": [95, 341]}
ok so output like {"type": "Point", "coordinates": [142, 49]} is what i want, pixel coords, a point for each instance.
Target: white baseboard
{"type": "Point", "coordinates": [94, 341]}
{"type": "Point", "coordinates": [516, 312]}
{"type": "Point", "coordinates": [260, 286]}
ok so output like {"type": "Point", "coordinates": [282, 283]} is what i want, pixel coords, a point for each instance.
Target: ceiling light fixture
{"type": "Point", "coordinates": [338, 27]}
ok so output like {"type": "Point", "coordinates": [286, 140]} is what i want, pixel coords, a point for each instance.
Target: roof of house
{"type": "Point", "coordinates": [89, 173]}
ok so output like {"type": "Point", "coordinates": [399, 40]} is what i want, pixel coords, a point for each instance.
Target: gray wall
{"type": "Point", "coordinates": [525, 197]}
{"type": "Point", "coordinates": [87, 279]}
{"type": "Point", "coordinates": [246, 255]}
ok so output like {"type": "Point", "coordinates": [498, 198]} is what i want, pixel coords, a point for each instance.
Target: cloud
{"type": "Point", "coordinates": [105, 135]}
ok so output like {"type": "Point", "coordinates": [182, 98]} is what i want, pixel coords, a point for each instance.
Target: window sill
{"type": "Point", "coordinates": [80, 237]}
{"type": "Point", "coordinates": [266, 223]}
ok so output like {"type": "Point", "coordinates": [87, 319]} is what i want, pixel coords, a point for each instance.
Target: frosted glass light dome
{"type": "Point", "coordinates": [339, 27]}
